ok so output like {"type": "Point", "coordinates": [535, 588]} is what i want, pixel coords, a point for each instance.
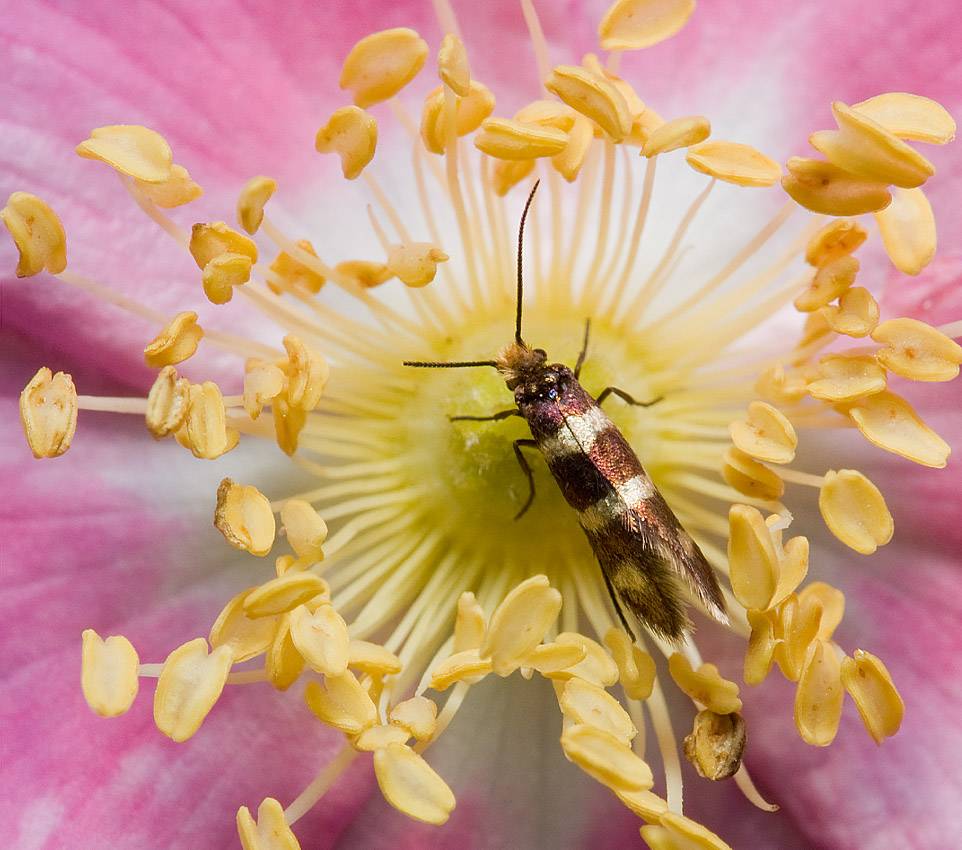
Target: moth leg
{"type": "Point", "coordinates": [617, 604]}
{"type": "Point", "coordinates": [526, 469]}
{"type": "Point", "coordinates": [625, 397]}
{"type": "Point", "coordinates": [501, 414]}
{"type": "Point", "coordinates": [584, 349]}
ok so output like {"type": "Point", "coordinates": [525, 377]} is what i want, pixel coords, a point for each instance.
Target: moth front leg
{"type": "Point", "coordinates": [501, 414]}
{"type": "Point", "coordinates": [626, 397]}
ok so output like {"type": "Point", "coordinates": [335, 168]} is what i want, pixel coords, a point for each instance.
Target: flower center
{"type": "Point", "coordinates": [475, 483]}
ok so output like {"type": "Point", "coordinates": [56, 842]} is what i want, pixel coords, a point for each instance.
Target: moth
{"type": "Point", "coordinates": [647, 559]}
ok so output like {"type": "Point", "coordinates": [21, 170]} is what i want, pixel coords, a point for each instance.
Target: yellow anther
{"type": "Point", "coordinates": [798, 626]}
{"type": "Point", "coordinates": [342, 702]}
{"type": "Point", "coordinates": [636, 668]}
{"type": "Point", "coordinates": [870, 685]}
{"type": "Point", "coordinates": [453, 64]}
{"type": "Point", "coordinates": [520, 623]}
{"type": "Point", "coordinates": [418, 716]}
{"type": "Point", "coordinates": [908, 232]}
{"type": "Point", "coordinates": [269, 832]}
{"type": "Point", "coordinates": [263, 382]}
{"type": "Point", "coordinates": [705, 685]}
{"type": "Point", "coordinates": [190, 683]}
{"type": "Point", "coordinates": [854, 510]}
{"type": "Point", "coordinates": [634, 24]}
{"type": "Point", "coordinates": [378, 737]}
{"type": "Point", "coordinates": [289, 421]}
{"type": "Point", "coordinates": [283, 662]}
{"type": "Point", "coordinates": [307, 374]}
{"type": "Point", "coordinates": [716, 744]}
{"type": "Point", "coordinates": [175, 191]}
{"type": "Point", "coordinates": [643, 126]}
{"type": "Point", "coordinates": [856, 313]}
{"type": "Point", "coordinates": [910, 116]}
{"type": "Point", "coordinates": [351, 133]}
{"type": "Point", "coordinates": [245, 637]}
{"type": "Point", "coordinates": [37, 233]}
{"type": "Point", "coordinates": [109, 673]}
{"type": "Point", "coordinates": [752, 558]}
{"type": "Point", "coordinates": [645, 804]}
{"type": "Point", "coordinates": [792, 568]}
{"type": "Point", "coordinates": [383, 63]}
{"type": "Point", "coordinates": [411, 785]}
{"type": "Point", "coordinates": [676, 832]}
{"type": "Point", "coordinates": [364, 272]}
{"type": "Point", "coordinates": [320, 637]}
{"type": "Point", "coordinates": [244, 516]}
{"type": "Point", "coordinates": [839, 237]}
{"type": "Point", "coordinates": [583, 702]}
{"type": "Point", "coordinates": [306, 531]}
{"type": "Point", "coordinates": [866, 149]}
{"type": "Point", "coordinates": [828, 283]}
{"type": "Point", "coordinates": [283, 594]}
{"type": "Point", "coordinates": [250, 205]}
{"type": "Point", "coordinates": [781, 385]}
{"type": "Point", "coordinates": [635, 104]}
{"type": "Point", "coordinates": [568, 163]}
{"type": "Point", "coordinates": [594, 96]}
{"type": "Point", "coordinates": [296, 275]}
{"type": "Point", "coordinates": [889, 422]}
{"type": "Point", "coordinates": [825, 188]}
{"type": "Point", "coordinates": [372, 658]}
{"type": "Point", "coordinates": [761, 646]}
{"type": "Point", "coordinates": [832, 603]}
{"type": "Point", "coordinates": [598, 666]}
{"type": "Point", "coordinates": [606, 758]}
{"type": "Point", "coordinates": [464, 666]}
{"type": "Point", "coordinates": [504, 138]}
{"type": "Point", "coordinates": [750, 477]}
{"type": "Point", "coordinates": [470, 623]}
{"type": "Point", "coordinates": [677, 133]}
{"type": "Point", "coordinates": [416, 263]}
{"type": "Point", "coordinates": [733, 162]}
{"type": "Point", "coordinates": [471, 110]}
{"type": "Point", "coordinates": [130, 149]}
{"type": "Point", "coordinates": [765, 434]}
{"type": "Point", "coordinates": [208, 241]}
{"type": "Point", "coordinates": [845, 377]}
{"type": "Point", "coordinates": [509, 173]}
{"type": "Point", "coordinates": [549, 658]}
{"type": "Point", "coordinates": [222, 274]}
{"type": "Point", "coordinates": [175, 343]}
{"type": "Point", "coordinates": [167, 403]}
{"type": "Point", "coordinates": [818, 700]}
{"type": "Point", "coordinates": [915, 350]}
{"type": "Point", "coordinates": [547, 113]}
{"type": "Point", "coordinates": [48, 412]}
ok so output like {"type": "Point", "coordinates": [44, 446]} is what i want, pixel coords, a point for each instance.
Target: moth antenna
{"type": "Point", "coordinates": [524, 215]}
{"type": "Point", "coordinates": [462, 364]}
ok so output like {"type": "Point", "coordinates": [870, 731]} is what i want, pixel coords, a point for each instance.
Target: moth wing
{"type": "Point", "coordinates": [648, 557]}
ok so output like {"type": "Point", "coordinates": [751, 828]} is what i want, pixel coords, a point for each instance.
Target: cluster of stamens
{"type": "Point", "coordinates": [365, 442]}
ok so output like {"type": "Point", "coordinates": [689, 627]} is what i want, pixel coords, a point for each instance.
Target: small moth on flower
{"type": "Point", "coordinates": [646, 557]}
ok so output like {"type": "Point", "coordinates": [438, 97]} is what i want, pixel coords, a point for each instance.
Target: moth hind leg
{"type": "Point", "coordinates": [526, 469]}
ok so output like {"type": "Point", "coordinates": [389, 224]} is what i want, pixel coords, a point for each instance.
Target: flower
{"type": "Point", "coordinates": [375, 419]}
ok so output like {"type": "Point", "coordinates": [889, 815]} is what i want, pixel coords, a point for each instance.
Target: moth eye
{"type": "Point", "coordinates": [552, 393]}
